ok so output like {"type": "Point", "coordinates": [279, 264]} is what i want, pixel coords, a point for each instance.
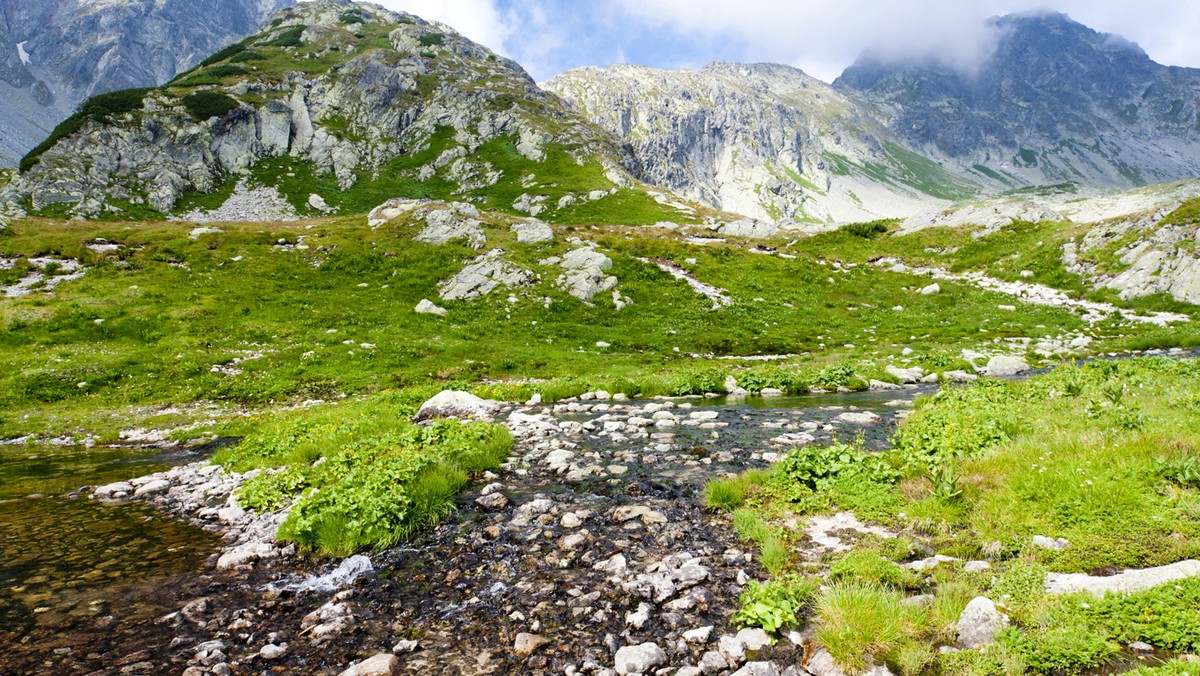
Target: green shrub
{"type": "Point", "coordinates": [247, 57]}
{"type": "Point", "coordinates": [432, 39]}
{"type": "Point", "coordinates": [205, 105]}
{"type": "Point", "coordinates": [225, 53]}
{"type": "Point", "coordinates": [1021, 583]}
{"type": "Point", "coordinates": [351, 17]}
{"type": "Point", "coordinates": [288, 37]}
{"type": "Point", "coordinates": [869, 230]}
{"type": "Point", "coordinates": [1070, 648]}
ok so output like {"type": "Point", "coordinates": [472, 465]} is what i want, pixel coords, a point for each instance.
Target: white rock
{"type": "Point", "coordinates": [639, 659]}
{"type": "Point", "coordinates": [931, 289]}
{"type": "Point", "coordinates": [456, 404]}
{"type": "Point", "coordinates": [979, 623]}
{"type": "Point", "coordinates": [426, 307]}
{"type": "Point", "coordinates": [383, 664]}
{"type": "Point", "coordinates": [1002, 366]}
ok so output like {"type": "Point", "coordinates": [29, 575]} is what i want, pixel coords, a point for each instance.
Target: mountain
{"type": "Point", "coordinates": [1054, 102]}
{"type": "Point", "coordinates": [764, 140]}
{"type": "Point", "coordinates": [56, 53]}
{"type": "Point", "coordinates": [335, 106]}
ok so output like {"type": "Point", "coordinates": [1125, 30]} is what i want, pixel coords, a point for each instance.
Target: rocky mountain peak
{"type": "Point", "coordinates": [1055, 101]}
{"type": "Point", "coordinates": [336, 106]}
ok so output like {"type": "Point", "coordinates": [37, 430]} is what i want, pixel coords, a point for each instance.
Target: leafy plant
{"type": "Point", "coordinates": [869, 230]}
{"type": "Point", "coordinates": [775, 604]}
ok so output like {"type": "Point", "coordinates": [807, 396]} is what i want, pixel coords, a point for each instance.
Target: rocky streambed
{"type": "Point", "coordinates": [590, 552]}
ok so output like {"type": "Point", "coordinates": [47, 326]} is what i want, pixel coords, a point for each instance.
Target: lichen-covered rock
{"type": "Point", "coordinates": [979, 622]}
{"type": "Point", "coordinates": [455, 404]}
{"type": "Point", "coordinates": [483, 275]}
{"type": "Point", "coordinates": [583, 273]}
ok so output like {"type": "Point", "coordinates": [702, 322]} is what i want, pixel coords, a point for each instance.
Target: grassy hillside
{"type": "Point", "coordinates": [269, 313]}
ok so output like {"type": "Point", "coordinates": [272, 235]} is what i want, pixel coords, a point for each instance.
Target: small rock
{"type": "Point", "coordinates": [404, 647]}
{"type": "Point", "coordinates": [492, 501]}
{"type": "Point", "coordinates": [271, 651]}
{"type": "Point", "coordinates": [700, 635]}
{"type": "Point", "coordinates": [383, 664]}
{"type": "Point", "coordinates": [639, 659]}
{"type": "Point", "coordinates": [979, 622]}
{"type": "Point", "coordinates": [1141, 647]}
{"type": "Point", "coordinates": [758, 669]}
{"type": "Point", "coordinates": [1054, 544]}
{"type": "Point", "coordinates": [426, 307]}
{"type": "Point", "coordinates": [526, 644]}
{"type": "Point", "coordinates": [931, 289]}
{"type": "Point", "coordinates": [976, 566]}
{"type": "Point", "coordinates": [822, 664]}
{"type": "Point", "coordinates": [1003, 366]}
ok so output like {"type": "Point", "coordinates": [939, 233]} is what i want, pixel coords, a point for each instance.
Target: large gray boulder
{"type": "Point", "coordinates": [532, 231]}
{"type": "Point", "coordinates": [583, 273]}
{"type": "Point", "coordinates": [979, 623]}
{"type": "Point", "coordinates": [1003, 366]}
{"type": "Point", "coordinates": [456, 404]}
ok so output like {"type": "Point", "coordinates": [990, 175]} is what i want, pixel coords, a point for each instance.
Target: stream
{"type": "Point", "coordinates": [602, 502]}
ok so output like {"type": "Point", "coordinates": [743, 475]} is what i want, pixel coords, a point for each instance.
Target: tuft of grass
{"type": "Point", "coordinates": [862, 624]}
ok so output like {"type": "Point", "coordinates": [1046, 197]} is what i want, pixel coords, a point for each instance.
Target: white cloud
{"type": "Point", "coordinates": [479, 20]}
{"type": "Point", "coordinates": [824, 36]}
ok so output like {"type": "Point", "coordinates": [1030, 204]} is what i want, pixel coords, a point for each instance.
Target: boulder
{"type": "Point", "coordinates": [426, 307]}
{"type": "Point", "coordinates": [482, 275]}
{"type": "Point", "coordinates": [393, 208]}
{"type": "Point", "coordinates": [456, 404]}
{"type": "Point", "coordinates": [931, 289]}
{"type": "Point", "coordinates": [639, 659]}
{"type": "Point", "coordinates": [1003, 366]}
{"type": "Point", "coordinates": [532, 231]}
{"type": "Point", "coordinates": [906, 376]}
{"type": "Point", "coordinates": [758, 669]}
{"type": "Point", "coordinates": [979, 623]}
{"type": "Point", "coordinates": [318, 203]}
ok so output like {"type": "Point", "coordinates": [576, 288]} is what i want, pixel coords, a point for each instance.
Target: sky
{"type": "Point", "coordinates": [821, 37]}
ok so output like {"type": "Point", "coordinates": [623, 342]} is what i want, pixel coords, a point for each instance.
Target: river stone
{"type": "Point", "coordinates": [404, 647]}
{"type": "Point", "coordinates": [639, 659]}
{"type": "Point", "coordinates": [426, 307]}
{"type": "Point", "coordinates": [152, 488]}
{"type": "Point", "coordinates": [979, 622]}
{"type": "Point", "coordinates": [246, 554]}
{"type": "Point", "coordinates": [526, 644]}
{"type": "Point", "coordinates": [700, 635]}
{"type": "Point", "coordinates": [960, 376]}
{"type": "Point", "coordinates": [713, 662]}
{"type": "Point", "coordinates": [271, 651]}
{"type": "Point", "coordinates": [383, 664]}
{"type": "Point", "coordinates": [906, 376]}
{"type": "Point", "coordinates": [113, 491]}
{"type": "Point", "coordinates": [456, 404]}
{"type": "Point", "coordinates": [1006, 366]}
{"type": "Point", "coordinates": [492, 501]}
{"type": "Point", "coordinates": [1123, 582]}
{"type": "Point", "coordinates": [859, 418]}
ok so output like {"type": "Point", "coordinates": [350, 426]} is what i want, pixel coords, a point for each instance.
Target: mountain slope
{"type": "Point", "coordinates": [59, 52]}
{"type": "Point", "coordinates": [764, 140]}
{"type": "Point", "coordinates": [338, 106]}
{"type": "Point", "coordinates": [1055, 102]}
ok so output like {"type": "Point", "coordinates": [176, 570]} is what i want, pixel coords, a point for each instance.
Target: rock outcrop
{"type": "Point", "coordinates": [1054, 102]}
{"type": "Point", "coordinates": [763, 140]}
{"type": "Point", "coordinates": [59, 52]}
{"type": "Point", "coordinates": [352, 94]}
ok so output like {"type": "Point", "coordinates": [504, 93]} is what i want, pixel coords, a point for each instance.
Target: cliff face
{"type": "Point", "coordinates": [1055, 102]}
{"type": "Point", "coordinates": [763, 140]}
{"type": "Point", "coordinates": [56, 53]}
{"type": "Point", "coordinates": [348, 101]}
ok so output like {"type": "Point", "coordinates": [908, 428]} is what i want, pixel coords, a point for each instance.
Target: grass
{"type": "Point", "coordinates": [1101, 454]}
{"type": "Point", "coordinates": [174, 311]}
{"type": "Point", "coordinates": [381, 480]}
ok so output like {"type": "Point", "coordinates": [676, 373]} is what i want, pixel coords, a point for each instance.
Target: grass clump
{"type": "Point", "coordinates": [862, 624]}
{"type": "Point", "coordinates": [868, 230]}
{"type": "Point", "coordinates": [870, 567]}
